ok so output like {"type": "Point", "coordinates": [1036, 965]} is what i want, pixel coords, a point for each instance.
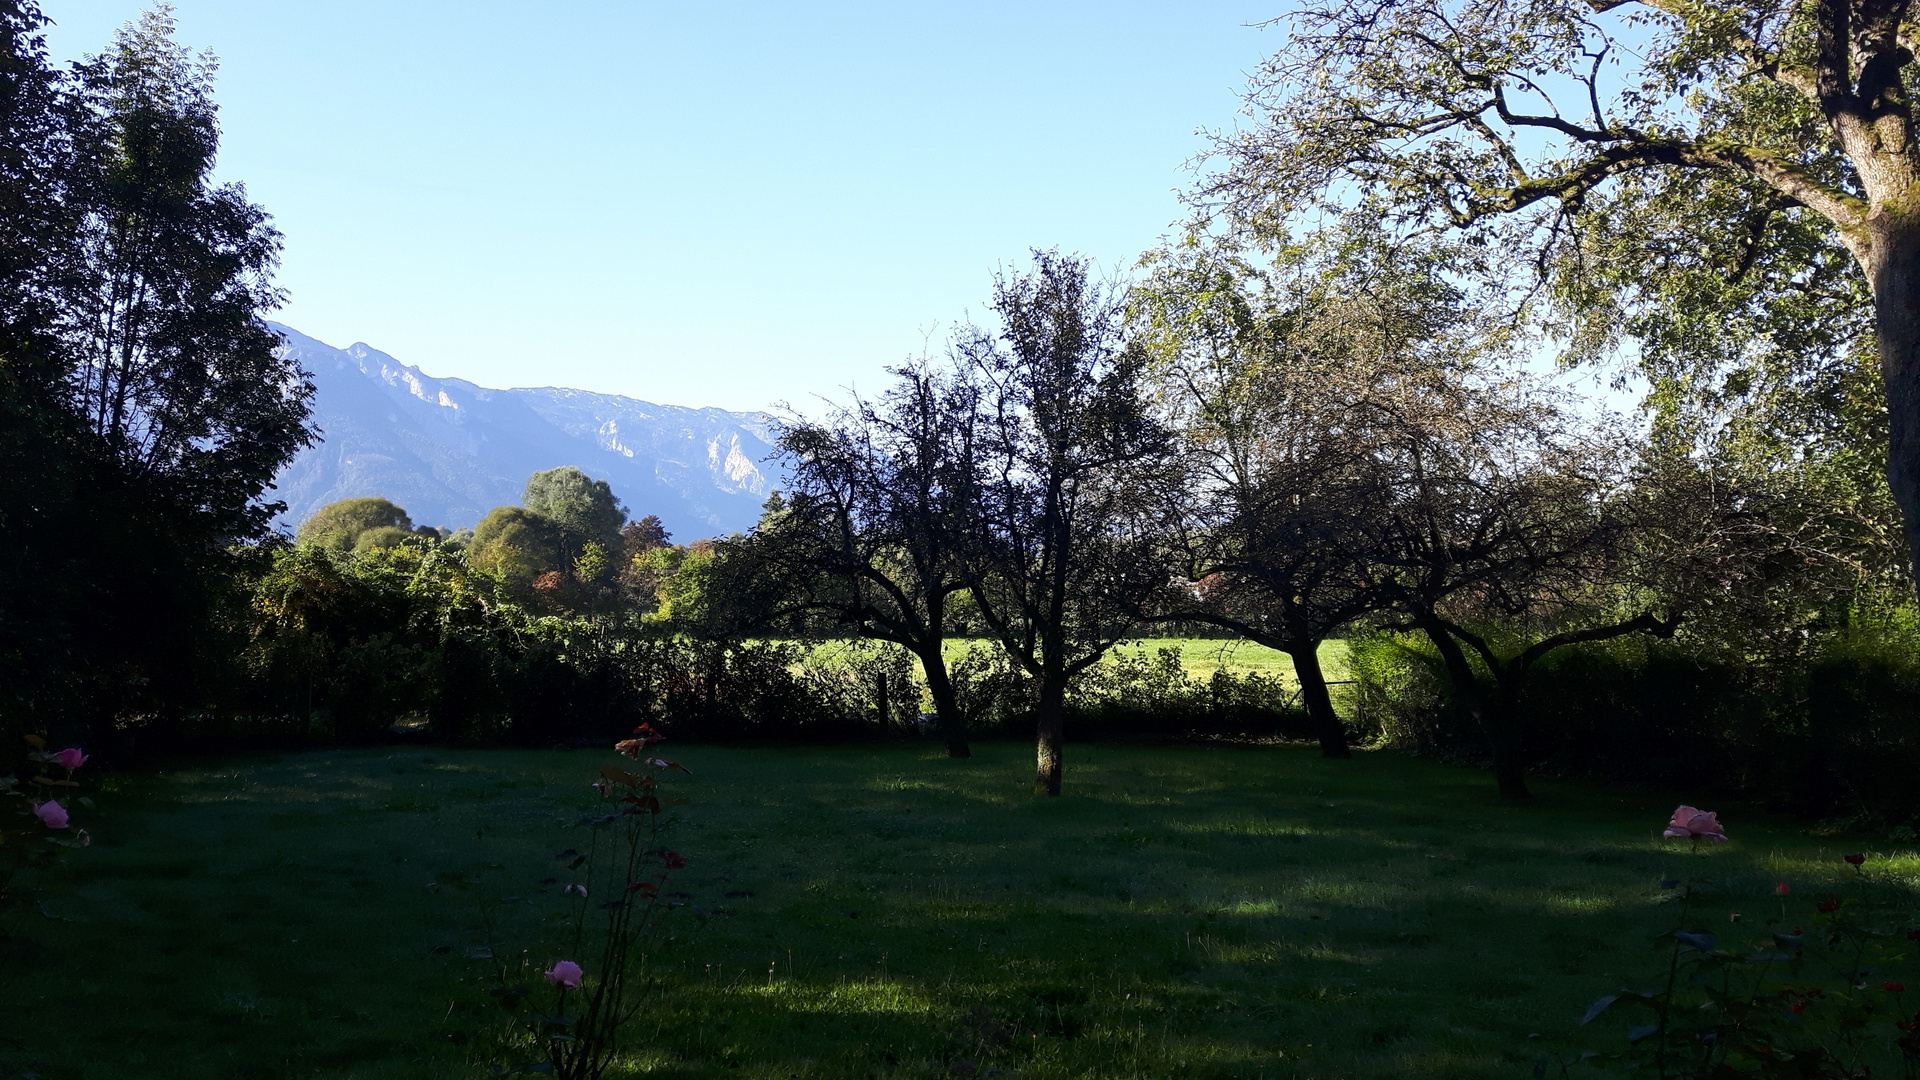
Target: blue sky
{"type": "Point", "coordinates": [696, 204]}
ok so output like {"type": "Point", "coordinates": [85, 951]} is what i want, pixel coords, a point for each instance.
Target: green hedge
{"type": "Point", "coordinates": [1834, 730]}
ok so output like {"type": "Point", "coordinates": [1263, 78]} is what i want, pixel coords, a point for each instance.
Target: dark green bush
{"type": "Point", "coordinates": [1831, 731]}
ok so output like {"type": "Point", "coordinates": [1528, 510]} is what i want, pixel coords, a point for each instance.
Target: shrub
{"type": "Point", "coordinates": [612, 909]}
{"type": "Point", "coordinates": [1137, 692]}
{"type": "Point", "coordinates": [1400, 693]}
{"type": "Point", "coordinates": [1832, 731]}
{"type": "Point", "coordinates": [1819, 991]}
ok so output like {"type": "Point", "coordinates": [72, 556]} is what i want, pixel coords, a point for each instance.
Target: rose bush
{"type": "Point", "coordinates": [1812, 1000]}
{"type": "Point", "coordinates": [626, 869]}
{"type": "Point", "coordinates": [34, 823]}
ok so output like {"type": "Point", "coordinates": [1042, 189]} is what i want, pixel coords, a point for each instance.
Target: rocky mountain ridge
{"type": "Point", "coordinates": [448, 450]}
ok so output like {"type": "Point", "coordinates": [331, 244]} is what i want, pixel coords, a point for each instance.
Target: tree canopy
{"type": "Point", "coordinates": [584, 507]}
{"type": "Point", "coordinates": [1696, 178]}
{"type": "Point", "coordinates": [339, 526]}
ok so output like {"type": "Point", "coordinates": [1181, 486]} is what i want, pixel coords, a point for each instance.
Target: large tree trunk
{"type": "Point", "coordinates": [1313, 694]}
{"type": "Point", "coordinates": [946, 707]}
{"type": "Point", "coordinates": [1895, 275]}
{"type": "Point", "coordinates": [1509, 763]}
{"type": "Point", "coordinates": [1503, 734]}
{"type": "Point", "coordinates": [1052, 704]}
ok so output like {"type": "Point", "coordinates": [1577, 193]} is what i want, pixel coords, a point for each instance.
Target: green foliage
{"type": "Point", "coordinates": [343, 647]}
{"type": "Point", "coordinates": [1140, 691]}
{"type": "Point", "coordinates": [516, 545]}
{"type": "Point", "coordinates": [678, 576]}
{"type": "Point", "coordinates": [339, 526]}
{"type": "Point", "coordinates": [584, 509]}
{"type": "Point", "coordinates": [1399, 687]}
{"type": "Point", "coordinates": [380, 539]}
{"type": "Point", "coordinates": [565, 552]}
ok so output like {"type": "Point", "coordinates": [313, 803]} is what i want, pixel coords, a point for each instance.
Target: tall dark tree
{"type": "Point", "coordinates": [46, 520]}
{"type": "Point", "coordinates": [175, 372]}
{"type": "Point", "coordinates": [37, 218]}
{"type": "Point", "coordinates": [1066, 538]}
{"type": "Point", "coordinates": [147, 405]}
{"type": "Point", "coordinates": [876, 529]}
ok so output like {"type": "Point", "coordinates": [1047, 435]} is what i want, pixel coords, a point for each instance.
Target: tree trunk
{"type": "Point", "coordinates": [1510, 770]}
{"type": "Point", "coordinates": [1509, 763]}
{"type": "Point", "coordinates": [1319, 704]}
{"type": "Point", "coordinates": [1503, 733]}
{"type": "Point", "coordinates": [1895, 275]}
{"type": "Point", "coordinates": [946, 707]}
{"type": "Point", "coordinates": [1053, 694]}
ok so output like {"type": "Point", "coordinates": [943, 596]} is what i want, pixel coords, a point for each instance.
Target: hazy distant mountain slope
{"type": "Point", "coordinates": [449, 451]}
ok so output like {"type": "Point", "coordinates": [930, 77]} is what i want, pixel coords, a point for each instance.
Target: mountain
{"type": "Point", "coordinates": [448, 451]}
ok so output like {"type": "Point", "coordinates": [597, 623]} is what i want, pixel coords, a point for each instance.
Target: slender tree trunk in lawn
{"type": "Point", "coordinates": [1319, 703]}
{"type": "Point", "coordinates": [1052, 704]}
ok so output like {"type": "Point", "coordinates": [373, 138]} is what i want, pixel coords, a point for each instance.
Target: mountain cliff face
{"type": "Point", "coordinates": [449, 451]}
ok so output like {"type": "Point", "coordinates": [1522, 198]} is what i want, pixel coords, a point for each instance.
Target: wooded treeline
{"type": "Point", "coordinates": [1321, 411]}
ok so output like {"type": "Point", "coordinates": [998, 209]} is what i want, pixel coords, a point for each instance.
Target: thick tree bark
{"type": "Point", "coordinates": [1052, 706]}
{"type": "Point", "coordinates": [1319, 704]}
{"type": "Point", "coordinates": [1895, 274]}
{"type": "Point", "coordinates": [946, 706]}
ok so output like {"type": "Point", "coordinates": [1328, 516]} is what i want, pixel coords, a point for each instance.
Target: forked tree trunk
{"type": "Point", "coordinates": [946, 705]}
{"type": "Point", "coordinates": [1052, 706]}
{"type": "Point", "coordinates": [1319, 704]}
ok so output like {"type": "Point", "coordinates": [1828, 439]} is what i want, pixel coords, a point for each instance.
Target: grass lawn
{"type": "Point", "coordinates": [879, 912]}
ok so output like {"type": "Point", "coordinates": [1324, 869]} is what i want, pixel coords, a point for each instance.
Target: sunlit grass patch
{"type": "Point", "coordinates": [864, 997]}
{"type": "Point", "coordinates": [1578, 903]}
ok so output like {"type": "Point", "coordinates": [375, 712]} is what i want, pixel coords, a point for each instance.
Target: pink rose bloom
{"type": "Point", "coordinates": [1689, 823]}
{"type": "Point", "coordinates": [1781, 889]}
{"type": "Point", "coordinates": [51, 814]}
{"type": "Point", "coordinates": [566, 973]}
{"type": "Point", "coordinates": [70, 758]}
